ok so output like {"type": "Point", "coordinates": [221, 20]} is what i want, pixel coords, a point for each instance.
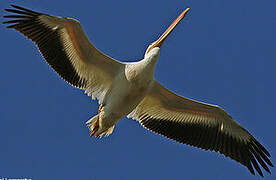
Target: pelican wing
{"type": "Point", "coordinates": [66, 48]}
{"type": "Point", "coordinates": [201, 125]}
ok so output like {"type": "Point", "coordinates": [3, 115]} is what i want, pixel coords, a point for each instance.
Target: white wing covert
{"type": "Point", "coordinates": [66, 48]}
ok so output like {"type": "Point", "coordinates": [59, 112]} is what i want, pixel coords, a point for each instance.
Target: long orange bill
{"type": "Point", "coordinates": [162, 38]}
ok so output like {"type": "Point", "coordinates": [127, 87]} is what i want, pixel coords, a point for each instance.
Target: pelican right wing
{"type": "Point", "coordinates": [201, 125]}
{"type": "Point", "coordinates": [66, 48]}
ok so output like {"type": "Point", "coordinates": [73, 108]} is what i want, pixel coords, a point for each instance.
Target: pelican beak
{"type": "Point", "coordinates": [162, 38]}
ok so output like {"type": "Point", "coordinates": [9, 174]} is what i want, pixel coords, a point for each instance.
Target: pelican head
{"type": "Point", "coordinates": [152, 51]}
{"type": "Point", "coordinates": [154, 47]}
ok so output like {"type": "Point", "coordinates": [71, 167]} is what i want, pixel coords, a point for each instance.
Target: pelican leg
{"type": "Point", "coordinates": [95, 123]}
{"type": "Point", "coordinates": [92, 133]}
{"type": "Point", "coordinates": [100, 108]}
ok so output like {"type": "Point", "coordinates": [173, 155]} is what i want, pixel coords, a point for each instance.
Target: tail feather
{"type": "Point", "coordinates": [91, 122]}
{"type": "Point", "coordinates": [107, 132]}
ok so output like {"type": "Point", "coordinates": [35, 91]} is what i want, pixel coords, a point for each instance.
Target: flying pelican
{"type": "Point", "coordinates": [129, 89]}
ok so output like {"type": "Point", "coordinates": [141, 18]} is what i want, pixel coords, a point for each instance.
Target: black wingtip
{"type": "Point", "coordinates": [17, 7]}
{"type": "Point", "coordinates": [7, 22]}
{"type": "Point", "coordinates": [8, 10]}
{"type": "Point", "coordinates": [18, 15]}
{"type": "Point", "coordinates": [11, 26]}
{"type": "Point", "coordinates": [24, 9]}
{"type": "Point", "coordinates": [21, 10]}
{"type": "Point", "coordinates": [250, 168]}
{"type": "Point", "coordinates": [15, 11]}
{"type": "Point", "coordinates": [15, 16]}
{"type": "Point", "coordinates": [262, 147]}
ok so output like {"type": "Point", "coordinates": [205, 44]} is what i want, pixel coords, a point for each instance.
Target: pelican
{"type": "Point", "coordinates": [130, 89]}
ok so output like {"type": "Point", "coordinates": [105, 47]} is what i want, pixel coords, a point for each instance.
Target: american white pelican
{"type": "Point", "coordinates": [130, 89]}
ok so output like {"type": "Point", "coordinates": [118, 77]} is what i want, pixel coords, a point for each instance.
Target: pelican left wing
{"type": "Point", "coordinates": [66, 48]}
{"type": "Point", "coordinates": [201, 125]}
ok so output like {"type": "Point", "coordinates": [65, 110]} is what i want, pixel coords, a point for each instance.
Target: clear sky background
{"type": "Point", "coordinates": [223, 53]}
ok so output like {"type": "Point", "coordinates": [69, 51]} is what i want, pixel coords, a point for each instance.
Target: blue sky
{"type": "Point", "coordinates": [222, 53]}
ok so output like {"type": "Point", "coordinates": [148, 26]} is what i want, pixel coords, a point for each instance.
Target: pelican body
{"type": "Point", "coordinates": [132, 84]}
{"type": "Point", "coordinates": [130, 89]}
